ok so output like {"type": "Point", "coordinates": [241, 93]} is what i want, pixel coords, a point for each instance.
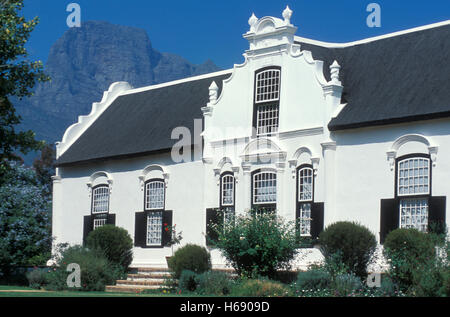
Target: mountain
{"type": "Point", "coordinates": [84, 62]}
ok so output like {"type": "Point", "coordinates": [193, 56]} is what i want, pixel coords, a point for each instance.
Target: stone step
{"type": "Point", "coordinates": [140, 283]}
{"type": "Point", "coordinates": [147, 276]}
{"type": "Point", "coordinates": [149, 270]}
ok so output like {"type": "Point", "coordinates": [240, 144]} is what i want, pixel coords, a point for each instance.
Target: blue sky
{"type": "Point", "coordinates": [199, 29]}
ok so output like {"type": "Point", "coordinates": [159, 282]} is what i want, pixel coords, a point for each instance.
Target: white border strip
{"type": "Point", "coordinates": [372, 39]}
{"type": "Point", "coordinates": [176, 82]}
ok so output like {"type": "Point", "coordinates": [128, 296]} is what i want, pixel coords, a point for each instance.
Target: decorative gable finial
{"type": "Point", "coordinates": [213, 92]}
{"type": "Point", "coordinates": [334, 71]}
{"type": "Point", "coordinates": [252, 22]}
{"type": "Point", "coordinates": [287, 14]}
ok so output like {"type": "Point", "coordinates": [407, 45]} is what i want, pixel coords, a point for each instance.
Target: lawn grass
{"type": "Point", "coordinates": [20, 291]}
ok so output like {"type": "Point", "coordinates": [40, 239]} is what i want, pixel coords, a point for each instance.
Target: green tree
{"type": "Point", "coordinates": [44, 165]}
{"type": "Point", "coordinates": [25, 220]}
{"type": "Point", "coordinates": [18, 76]}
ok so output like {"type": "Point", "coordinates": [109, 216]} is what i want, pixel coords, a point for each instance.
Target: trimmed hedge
{"type": "Point", "coordinates": [115, 243]}
{"type": "Point", "coordinates": [353, 242]}
{"type": "Point", "coordinates": [190, 257]}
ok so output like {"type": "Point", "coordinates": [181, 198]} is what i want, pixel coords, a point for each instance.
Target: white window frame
{"type": "Point", "coordinates": [302, 188]}
{"type": "Point", "coordinates": [414, 169]}
{"type": "Point", "coordinates": [255, 180]}
{"type": "Point", "coordinates": [267, 119]}
{"type": "Point", "coordinates": [159, 200]}
{"type": "Point", "coordinates": [154, 228]}
{"type": "Point", "coordinates": [227, 180]}
{"type": "Point", "coordinates": [416, 213]}
{"type": "Point", "coordinates": [100, 206]}
{"type": "Point", "coordinates": [268, 80]}
{"type": "Point", "coordinates": [100, 222]}
{"type": "Point", "coordinates": [305, 220]}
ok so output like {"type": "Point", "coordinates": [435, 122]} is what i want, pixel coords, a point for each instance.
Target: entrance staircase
{"type": "Point", "coordinates": [141, 279]}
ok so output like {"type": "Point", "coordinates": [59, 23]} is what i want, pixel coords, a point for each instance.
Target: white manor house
{"type": "Point", "coordinates": [319, 132]}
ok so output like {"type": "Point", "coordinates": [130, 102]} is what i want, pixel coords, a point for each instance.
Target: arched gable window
{"type": "Point", "coordinates": [267, 100]}
{"type": "Point", "coordinates": [100, 205]}
{"type": "Point", "coordinates": [413, 179]}
{"type": "Point", "coordinates": [305, 198]}
{"type": "Point", "coordinates": [264, 191]}
{"type": "Point", "coordinates": [154, 204]}
{"type": "Point", "coordinates": [227, 196]}
{"type": "Point", "coordinates": [154, 194]}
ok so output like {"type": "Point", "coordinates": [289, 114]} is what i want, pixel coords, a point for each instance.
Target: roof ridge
{"type": "Point", "coordinates": [371, 39]}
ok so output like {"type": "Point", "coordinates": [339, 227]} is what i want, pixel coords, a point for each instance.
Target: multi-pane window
{"type": "Point", "coordinates": [100, 222]}
{"type": "Point", "coordinates": [154, 228]}
{"type": "Point", "coordinates": [268, 85]}
{"type": "Point", "coordinates": [154, 195]}
{"type": "Point", "coordinates": [305, 219]}
{"type": "Point", "coordinates": [413, 186]}
{"type": "Point", "coordinates": [265, 188]}
{"type": "Point", "coordinates": [414, 176]}
{"type": "Point", "coordinates": [227, 189]}
{"type": "Point", "coordinates": [305, 184]}
{"type": "Point", "coordinates": [100, 200]}
{"type": "Point", "coordinates": [305, 178]}
{"type": "Point", "coordinates": [267, 119]}
{"type": "Point", "coordinates": [267, 99]}
{"type": "Point", "coordinates": [414, 214]}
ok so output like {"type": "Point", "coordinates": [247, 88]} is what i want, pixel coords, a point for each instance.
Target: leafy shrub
{"type": "Point", "coordinates": [445, 289]}
{"type": "Point", "coordinates": [96, 270]}
{"type": "Point", "coordinates": [354, 242]}
{"type": "Point", "coordinates": [114, 242]}
{"type": "Point", "coordinates": [190, 257]}
{"type": "Point", "coordinates": [258, 245]}
{"type": "Point", "coordinates": [408, 250]}
{"type": "Point", "coordinates": [314, 279]}
{"type": "Point", "coordinates": [388, 288]}
{"type": "Point", "coordinates": [36, 278]}
{"type": "Point", "coordinates": [188, 281]}
{"type": "Point", "coordinates": [260, 288]}
{"type": "Point", "coordinates": [346, 284]}
{"type": "Point", "coordinates": [214, 283]}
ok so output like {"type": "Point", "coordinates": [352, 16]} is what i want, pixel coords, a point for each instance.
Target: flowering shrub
{"type": "Point", "coordinates": [258, 245]}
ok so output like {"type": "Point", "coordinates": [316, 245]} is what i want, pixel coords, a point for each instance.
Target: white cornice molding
{"type": "Point", "coordinates": [399, 142]}
{"type": "Point", "coordinates": [329, 145]}
{"type": "Point", "coordinates": [300, 132]}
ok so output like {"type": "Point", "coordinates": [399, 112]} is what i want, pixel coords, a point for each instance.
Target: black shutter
{"type": "Point", "coordinates": [213, 217]}
{"type": "Point", "coordinates": [389, 217]}
{"type": "Point", "coordinates": [436, 214]}
{"type": "Point", "coordinates": [111, 220]}
{"type": "Point", "coordinates": [167, 222]}
{"type": "Point", "coordinates": [317, 215]}
{"type": "Point", "coordinates": [140, 229]}
{"type": "Point", "coordinates": [87, 227]}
